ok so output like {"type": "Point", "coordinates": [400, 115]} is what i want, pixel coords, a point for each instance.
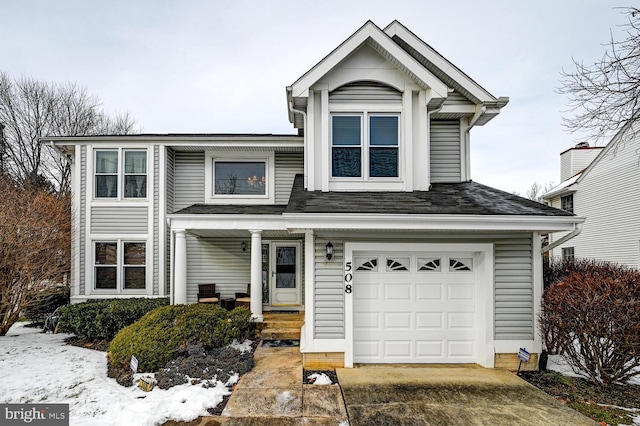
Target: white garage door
{"type": "Point", "coordinates": [414, 308]}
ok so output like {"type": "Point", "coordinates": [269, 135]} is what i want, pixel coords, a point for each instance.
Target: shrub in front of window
{"type": "Point", "coordinates": [102, 319]}
{"type": "Point", "coordinates": [159, 335]}
{"type": "Point", "coordinates": [591, 316]}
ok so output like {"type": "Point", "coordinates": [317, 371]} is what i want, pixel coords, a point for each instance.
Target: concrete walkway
{"type": "Point", "coordinates": [465, 395]}
{"type": "Point", "coordinates": [273, 394]}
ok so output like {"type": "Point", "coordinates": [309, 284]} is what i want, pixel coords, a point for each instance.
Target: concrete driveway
{"type": "Point", "coordinates": [459, 395]}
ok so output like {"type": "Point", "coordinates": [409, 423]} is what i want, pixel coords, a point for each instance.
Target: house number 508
{"type": "Point", "coordinates": [348, 277]}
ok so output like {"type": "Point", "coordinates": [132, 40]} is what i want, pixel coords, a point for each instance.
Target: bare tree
{"type": "Point", "coordinates": [31, 109]}
{"type": "Point", "coordinates": [537, 190]}
{"type": "Point", "coordinates": [35, 235]}
{"type": "Point", "coordinates": [605, 95]}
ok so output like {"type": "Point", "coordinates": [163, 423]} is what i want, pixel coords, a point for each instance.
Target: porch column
{"type": "Point", "coordinates": [180, 268]}
{"type": "Point", "coordinates": [256, 274]}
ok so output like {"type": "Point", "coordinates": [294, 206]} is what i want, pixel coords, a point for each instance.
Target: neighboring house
{"type": "Point", "coordinates": [602, 185]}
{"type": "Point", "coordinates": [368, 221]}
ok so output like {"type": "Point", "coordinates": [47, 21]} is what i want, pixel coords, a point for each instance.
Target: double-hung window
{"type": "Point", "coordinates": [120, 265]}
{"type": "Point", "coordinates": [364, 145]}
{"type": "Point", "coordinates": [120, 173]}
{"type": "Point", "coordinates": [566, 203]}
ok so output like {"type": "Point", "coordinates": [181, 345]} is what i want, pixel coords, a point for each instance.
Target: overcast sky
{"type": "Point", "coordinates": [201, 66]}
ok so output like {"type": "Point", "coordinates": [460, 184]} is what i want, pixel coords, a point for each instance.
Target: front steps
{"type": "Point", "coordinates": [281, 326]}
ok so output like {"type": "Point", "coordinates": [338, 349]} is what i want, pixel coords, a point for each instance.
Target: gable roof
{"type": "Point", "coordinates": [369, 33]}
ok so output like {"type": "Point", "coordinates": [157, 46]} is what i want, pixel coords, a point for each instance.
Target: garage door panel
{"type": "Point", "coordinates": [429, 320]}
{"type": "Point", "coordinates": [397, 349]}
{"type": "Point", "coordinates": [429, 291]}
{"type": "Point", "coordinates": [397, 320]}
{"type": "Point", "coordinates": [397, 292]}
{"type": "Point", "coordinates": [412, 315]}
{"type": "Point", "coordinates": [429, 349]}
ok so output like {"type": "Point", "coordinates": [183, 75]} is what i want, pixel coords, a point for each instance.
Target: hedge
{"type": "Point", "coordinates": [102, 319]}
{"type": "Point", "coordinates": [159, 335]}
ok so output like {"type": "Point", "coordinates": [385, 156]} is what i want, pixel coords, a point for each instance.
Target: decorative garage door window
{"type": "Point", "coordinates": [461, 264]}
{"type": "Point", "coordinates": [369, 264]}
{"type": "Point", "coordinates": [398, 264]}
{"type": "Point", "coordinates": [429, 264]}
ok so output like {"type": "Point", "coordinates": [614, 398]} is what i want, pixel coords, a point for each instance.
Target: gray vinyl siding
{"type": "Point", "coordinates": [287, 165]}
{"type": "Point", "coordinates": [457, 98]}
{"type": "Point", "coordinates": [119, 220]}
{"type": "Point", "coordinates": [445, 154]}
{"type": "Point", "coordinates": [514, 318]}
{"type": "Point", "coordinates": [329, 292]}
{"type": "Point", "coordinates": [169, 200]}
{"type": "Point", "coordinates": [366, 91]}
{"type": "Point", "coordinates": [188, 179]}
{"type": "Point", "coordinates": [156, 220]}
{"type": "Point", "coordinates": [82, 252]}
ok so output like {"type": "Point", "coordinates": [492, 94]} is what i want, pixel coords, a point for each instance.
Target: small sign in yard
{"type": "Point", "coordinates": [134, 364]}
{"type": "Point", "coordinates": [523, 355]}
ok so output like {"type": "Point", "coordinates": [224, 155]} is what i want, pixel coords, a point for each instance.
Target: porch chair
{"type": "Point", "coordinates": [244, 299]}
{"type": "Point", "coordinates": [207, 294]}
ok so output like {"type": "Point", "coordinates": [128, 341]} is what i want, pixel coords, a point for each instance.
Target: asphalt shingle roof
{"type": "Point", "coordinates": [463, 198]}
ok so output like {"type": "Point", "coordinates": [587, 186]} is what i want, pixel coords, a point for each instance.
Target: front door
{"type": "Point", "coordinates": [286, 278]}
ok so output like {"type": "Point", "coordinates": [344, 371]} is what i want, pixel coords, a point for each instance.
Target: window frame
{"type": "Point", "coordinates": [211, 158]}
{"type": "Point", "coordinates": [366, 146]}
{"type": "Point", "coordinates": [568, 253]}
{"type": "Point", "coordinates": [565, 200]}
{"type": "Point", "coordinates": [120, 266]}
{"type": "Point", "coordinates": [120, 174]}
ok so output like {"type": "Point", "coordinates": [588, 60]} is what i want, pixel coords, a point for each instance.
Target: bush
{"type": "Point", "coordinates": [158, 337]}
{"type": "Point", "coordinates": [592, 317]}
{"type": "Point", "coordinates": [45, 302]}
{"type": "Point", "coordinates": [102, 319]}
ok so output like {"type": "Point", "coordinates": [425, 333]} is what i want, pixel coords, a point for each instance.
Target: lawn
{"type": "Point", "coordinates": [613, 405]}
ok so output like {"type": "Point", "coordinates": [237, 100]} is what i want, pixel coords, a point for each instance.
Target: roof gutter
{"type": "Point", "coordinates": [577, 229]}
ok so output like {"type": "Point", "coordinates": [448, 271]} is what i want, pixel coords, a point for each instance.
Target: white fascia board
{"type": "Point", "coordinates": [216, 141]}
{"type": "Point", "coordinates": [226, 222]}
{"type": "Point", "coordinates": [564, 188]}
{"type": "Point", "coordinates": [396, 28]}
{"type": "Point", "coordinates": [369, 30]}
{"type": "Point", "coordinates": [297, 222]}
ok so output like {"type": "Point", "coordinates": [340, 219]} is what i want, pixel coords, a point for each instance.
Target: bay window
{"type": "Point", "coordinates": [364, 151]}
{"type": "Point", "coordinates": [120, 173]}
{"type": "Point", "coordinates": [120, 265]}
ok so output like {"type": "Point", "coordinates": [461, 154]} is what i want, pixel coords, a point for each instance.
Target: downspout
{"type": "Point", "coordinates": [577, 229]}
{"type": "Point", "coordinates": [304, 118]}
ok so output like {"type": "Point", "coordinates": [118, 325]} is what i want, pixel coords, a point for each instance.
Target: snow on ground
{"type": "Point", "coordinates": [41, 368]}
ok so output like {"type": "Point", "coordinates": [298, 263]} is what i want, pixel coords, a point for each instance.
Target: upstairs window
{"type": "Point", "coordinates": [244, 178]}
{"type": "Point", "coordinates": [364, 152]}
{"type": "Point", "coordinates": [121, 173]}
{"type": "Point", "coordinates": [566, 203]}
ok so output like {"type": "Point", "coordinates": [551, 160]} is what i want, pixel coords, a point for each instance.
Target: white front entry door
{"type": "Point", "coordinates": [414, 307]}
{"type": "Point", "coordinates": [286, 277]}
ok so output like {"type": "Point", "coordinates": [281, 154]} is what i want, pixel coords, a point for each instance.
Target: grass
{"type": "Point", "coordinates": [602, 404]}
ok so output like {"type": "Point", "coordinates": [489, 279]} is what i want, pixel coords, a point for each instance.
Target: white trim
{"type": "Point", "coordinates": [88, 243]}
{"type": "Point", "coordinates": [76, 214]}
{"type": "Point", "coordinates": [396, 28]}
{"type": "Point", "coordinates": [119, 240]}
{"type": "Point", "coordinates": [537, 282]}
{"type": "Point", "coordinates": [484, 275]}
{"type": "Point", "coordinates": [306, 337]}
{"type": "Point", "coordinates": [269, 159]}
{"type": "Point", "coordinates": [405, 138]}
{"type": "Point", "coordinates": [362, 35]}
{"type": "Point", "coordinates": [357, 108]}
{"type": "Point", "coordinates": [227, 222]}
{"type": "Point", "coordinates": [162, 224]}
{"type": "Point", "coordinates": [301, 221]}
{"type": "Point", "coordinates": [325, 140]}
{"type": "Point", "coordinates": [150, 210]}
{"type": "Point", "coordinates": [309, 138]}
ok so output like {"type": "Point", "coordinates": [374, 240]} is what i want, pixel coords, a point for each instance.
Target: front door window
{"type": "Point", "coordinates": [286, 267]}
